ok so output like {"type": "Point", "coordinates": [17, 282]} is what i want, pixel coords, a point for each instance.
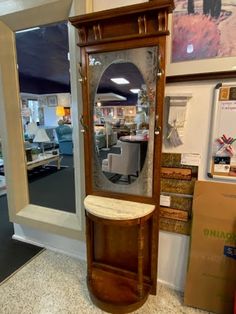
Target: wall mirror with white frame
{"type": "Point", "coordinates": [21, 210]}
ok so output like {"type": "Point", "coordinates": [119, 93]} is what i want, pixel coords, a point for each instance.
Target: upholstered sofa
{"type": "Point", "coordinates": [64, 136]}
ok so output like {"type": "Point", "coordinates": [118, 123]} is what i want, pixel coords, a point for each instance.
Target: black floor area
{"type": "Point", "coordinates": [13, 254]}
{"type": "Point", "coordinates": [48, 187]}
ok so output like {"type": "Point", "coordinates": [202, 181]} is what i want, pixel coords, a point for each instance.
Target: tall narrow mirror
{"type": "Point", "coordinates": [123, 111]}
{"type": "Point", "coordinates": [43, 67]}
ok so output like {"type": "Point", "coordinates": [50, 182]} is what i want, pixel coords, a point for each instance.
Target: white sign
{"type": "Point", "coordinates": [221, 168]}
{"type": "Point", "coordinates": [165, 200]}
{"type": "Point", "coordinates": [190, 159]}
{"type": "Point", "coordinates": [228, 105]}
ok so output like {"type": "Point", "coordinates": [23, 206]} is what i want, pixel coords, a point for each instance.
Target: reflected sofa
{"type": "Point", "coordinates": [64, 137]}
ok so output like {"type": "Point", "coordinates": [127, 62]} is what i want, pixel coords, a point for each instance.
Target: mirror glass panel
{"type": "Point", "coordinates": [123, 116]}
{"type": "Point", "coordinates": [47, 115]}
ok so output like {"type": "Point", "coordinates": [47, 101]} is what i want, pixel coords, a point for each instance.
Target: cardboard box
{"type": "Point", "coordinates": [211, 276]}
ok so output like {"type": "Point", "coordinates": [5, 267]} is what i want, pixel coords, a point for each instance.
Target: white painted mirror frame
{"type": "Point", "coordinates": [25, 15]}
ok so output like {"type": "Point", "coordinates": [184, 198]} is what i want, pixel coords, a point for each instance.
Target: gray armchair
{"type": "Point", "coordinates": [127, 163]}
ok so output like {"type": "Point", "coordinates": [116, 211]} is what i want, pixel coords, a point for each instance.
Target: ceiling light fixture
{"type": "Point", "coordinates": [27, 30]}
{"type": "Point", "coordinates": [135, 90]}
{"type": "Point", "coordinates": [119, 80]}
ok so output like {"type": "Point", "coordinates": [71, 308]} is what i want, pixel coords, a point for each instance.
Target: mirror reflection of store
{"type": "Point", "coordinates": [45, 100]}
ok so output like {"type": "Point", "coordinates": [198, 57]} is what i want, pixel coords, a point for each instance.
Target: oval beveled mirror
{"type": "Point", "coordinates": [122, 121]}
{"type": "Point", "coordinates": [121, 128]}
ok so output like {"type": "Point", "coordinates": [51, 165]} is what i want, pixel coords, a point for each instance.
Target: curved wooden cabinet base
{"type": "Point", "coordinates": [115, 294]}
{"type": "Point", "coordinates": [120, 253]}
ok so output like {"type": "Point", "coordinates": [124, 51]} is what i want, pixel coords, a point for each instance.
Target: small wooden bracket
{"type": "Point", "coordinates": [142, 25]}
{"type": "Point", "coordinates": [97, 32]}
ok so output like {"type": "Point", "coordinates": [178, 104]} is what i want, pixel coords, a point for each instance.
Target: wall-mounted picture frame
{"type": "Point", "coordinates": [52, 100]}
{"type": "Point", "coordinates": [200, 46]}
{"type": "Point", "coordinates": [222, 144]}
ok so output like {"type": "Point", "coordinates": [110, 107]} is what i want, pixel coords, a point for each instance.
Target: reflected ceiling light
{"type": "Point", "coordinates": [99, 104]}
{"type": "Point", "coordinates": [119, 80]}
{"type": "Point", "coordinates": [190, 48]}
{"type": "Point", "coordinates": [135, 90]}
{"type": "Point", "coordinates": [27, 30]}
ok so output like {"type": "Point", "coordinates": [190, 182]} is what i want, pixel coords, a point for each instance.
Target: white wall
{"type": "Point", "coordinates": [198, 120]}
{"type": "Point", "coordinates": [50, 117]}
{"type": "Point", "coordinates": [105, 5]}
{"type": "Point", "coordinates": [50, 241]}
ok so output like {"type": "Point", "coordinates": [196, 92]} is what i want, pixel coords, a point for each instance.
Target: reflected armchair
{"type": "Point", "coordinates": [126, 163]}
{"type": "Point", "coordinates": [64, 136]}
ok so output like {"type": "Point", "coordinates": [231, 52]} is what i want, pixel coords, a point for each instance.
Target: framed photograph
{"type": "Point", "coordinates": [202, 44]}
{"type": "Point", "coordinates": [52, 100]}
{"type": "Point", "coordinates": [119, 112]}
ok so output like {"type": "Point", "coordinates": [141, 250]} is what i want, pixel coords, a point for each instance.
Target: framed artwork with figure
{"type": "Point", "coordinates": [202, 44]}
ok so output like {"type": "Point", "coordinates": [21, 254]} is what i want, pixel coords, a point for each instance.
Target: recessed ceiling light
{"type": "Point", "coordinates": [27, 30]}
{"type": "Point", "coordinates": [135, 90]}
{"type": "Point", "coordinates": [119, 80]}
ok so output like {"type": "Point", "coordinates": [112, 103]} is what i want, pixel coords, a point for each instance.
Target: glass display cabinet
{"type": "Point", "coordinates": [123, 77]}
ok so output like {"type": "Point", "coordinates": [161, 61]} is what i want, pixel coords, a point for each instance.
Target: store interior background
{"type": "Point", "coordinates": [173, 248]}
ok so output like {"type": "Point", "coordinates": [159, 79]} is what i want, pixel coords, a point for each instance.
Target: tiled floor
{"type": "Point", "coordinates": [53, 283]}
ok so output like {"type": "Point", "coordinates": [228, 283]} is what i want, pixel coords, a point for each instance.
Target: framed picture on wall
{"type": "Point", "coordinates": [52, 100]}
{"type": "Point", "coordinates": [222, 148]}
{"type": "Point", "coordinates": [202, 44]}
{"type": "Point", "coordinates": [119, 112]}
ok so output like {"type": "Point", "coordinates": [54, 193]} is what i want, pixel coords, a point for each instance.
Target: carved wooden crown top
{"type": "Point", "coordinates": [134, 21]}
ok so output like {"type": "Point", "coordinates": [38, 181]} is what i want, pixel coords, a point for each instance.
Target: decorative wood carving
{"type": "Point", "coordinates": [140, 20]}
